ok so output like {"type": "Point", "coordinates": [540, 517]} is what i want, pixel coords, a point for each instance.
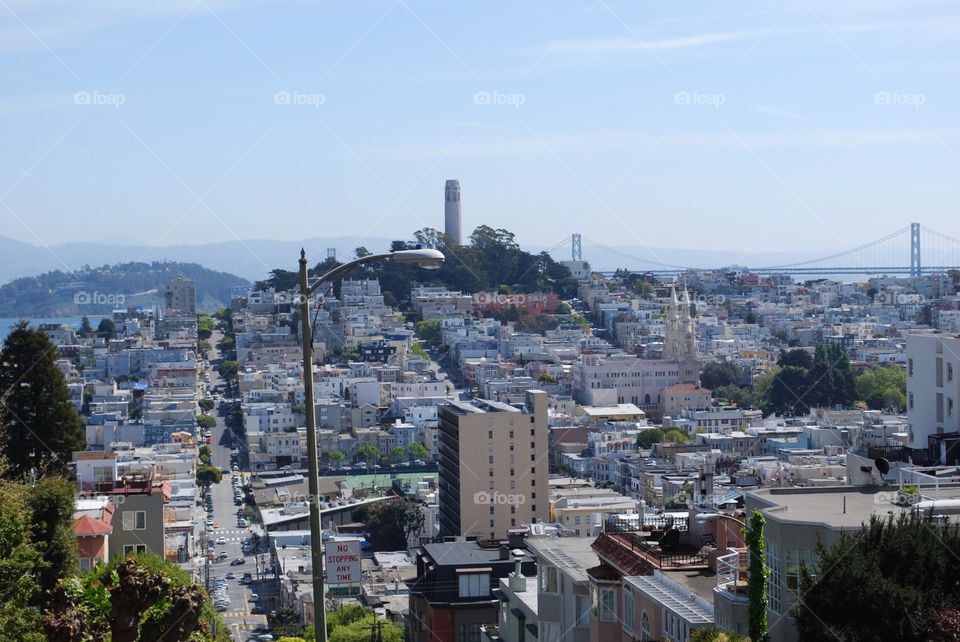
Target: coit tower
{"type": "Point", "coordinates": [451, 211]}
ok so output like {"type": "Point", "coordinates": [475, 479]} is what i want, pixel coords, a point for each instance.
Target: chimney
{"type": "Point", "coordinates": [517, 582]}
{"type": "Point", "coordinates": [504, 552]}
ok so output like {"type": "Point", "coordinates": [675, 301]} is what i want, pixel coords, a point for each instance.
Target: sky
{"type": "Point", "coordinates": [802, 124]}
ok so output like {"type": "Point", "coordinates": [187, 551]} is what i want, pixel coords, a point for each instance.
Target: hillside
{"type": "Point", "coordinates": [100, 290]}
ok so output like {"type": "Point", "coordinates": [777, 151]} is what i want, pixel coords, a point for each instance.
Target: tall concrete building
{"type": "Point", "coordinates": [933, 391]}
{"type": "Point", "coordinates": [451, 212]}
{"type": "Point", "coordinates": [493, 466]}
{"type": "Point", "coordinates": [181, 297]}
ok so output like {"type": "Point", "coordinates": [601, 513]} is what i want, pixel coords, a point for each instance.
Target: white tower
{"type": "Point", "coordinates": [451, 212]}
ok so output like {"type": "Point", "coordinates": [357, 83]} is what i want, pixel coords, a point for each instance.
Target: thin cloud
{"type": "Point", "coordinates": [626, 45]}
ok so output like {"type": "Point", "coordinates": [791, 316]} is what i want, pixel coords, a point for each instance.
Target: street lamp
{"type": "Point", "coordinates": [424, 258]}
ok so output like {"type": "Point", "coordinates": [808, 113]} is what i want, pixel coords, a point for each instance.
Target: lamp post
{"type": "Point", "coordinates": [425, 258]}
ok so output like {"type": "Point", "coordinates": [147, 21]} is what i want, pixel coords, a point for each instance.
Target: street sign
{"type": "Point", "coordinates": [342, 561]}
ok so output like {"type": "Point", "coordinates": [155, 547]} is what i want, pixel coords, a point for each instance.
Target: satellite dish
{"type": "Point", "coordinates": [882, 465]}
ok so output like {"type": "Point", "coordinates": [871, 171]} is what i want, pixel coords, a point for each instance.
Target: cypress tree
{"type": "Point", "coordinates": [39, 427]}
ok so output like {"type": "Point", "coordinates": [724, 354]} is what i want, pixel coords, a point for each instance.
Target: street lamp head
{"type": "Point", "coordinates": [428, 259]}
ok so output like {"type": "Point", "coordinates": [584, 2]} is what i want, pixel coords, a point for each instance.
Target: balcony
{"type": "Point", "coordinates": [489, 633]}
{"type": "Point", "coordinates": [732, 575]}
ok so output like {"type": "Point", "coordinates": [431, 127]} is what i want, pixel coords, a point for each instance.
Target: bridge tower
{"type": "Point", "coordinates": [915, 269]}
{"type": "Point", "coordinates": [576, 247]}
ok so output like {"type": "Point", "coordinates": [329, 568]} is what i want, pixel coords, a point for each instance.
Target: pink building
{"type": "Point", "coordinates": [92, 529]}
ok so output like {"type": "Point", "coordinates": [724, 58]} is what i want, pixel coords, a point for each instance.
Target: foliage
{"type": "Point", "coordinates": [285, 623]}
{"type": "Point", "coordinates": [802, 381]}
{"type": "Point", "coordinates": [675, 435]}
{"type": "Point", "coordinates": [563, 308]}
{"type": "Point", "coordinates": [430, 332]}
{"type": "Point", "coordinates": [883, 387]}
{"type": "Point", "coordinates": [418, 350]}
{"type": "Point", "coordinates": [204, 454]}
{"type": "Point", "coordinates": [54, 293]}
{"type": "Point", "coordinates": [228, 369]}
{"type": "Point", "coordinates": [205, 326]}
{"type": "Point", "coordinates": [391, 522]}
{"type": "Point", "coordinates": [715, 634]}
{"type": "Point", "coordinates": [351, 623]}
{"type": "Point", "coordinates": [51, 502]}
{"type": "Point", "coordinates": [418, 450]}
{"type": "Point", "coordinates": [716, 374]}
{"type": "Point", "coordinates": [740, 397]}
{"type": "Point", "coordinates": [885, 582]}
{"type": "Point", "coordinates": [367, 453]}
{"type": "Point", "coordinates": [757, 579]}
{"type": "Point", "coordinates": [206, 421]}
{"type": "Point", "coordinates": [85, 328]}
{"type": "Point", "coordinates": [207, 475]}
{"type": "Point", "coordinates": [206, 405]}
{"type": "Point", "coordinates": [648, 437]}
{"type": "Point", "coordinates": [19, 558]}
{"type": "Point", "coordinates": [107, 329]}
{"type": "Point", "coordinates": [138, 598]}
{"type": "Point", "coordinates": [204, 346]}
{"type": "Point", "coordinates": [39, 426]}
{"type": "Point", "coordinates": [336, 456]}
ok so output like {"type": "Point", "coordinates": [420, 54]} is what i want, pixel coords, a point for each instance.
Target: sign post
{"type": "Point", "coordinates": [342, 561]}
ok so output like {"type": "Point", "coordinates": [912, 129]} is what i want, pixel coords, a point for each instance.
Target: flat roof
{"type": "Point", "coordinates": [466, 554]}
{"type": "Point", "coordinates": [839, 507]}
{"type": "Point", "coordinates": [674, 597]}
{"type": "Point", "coordinates": [572, 555]}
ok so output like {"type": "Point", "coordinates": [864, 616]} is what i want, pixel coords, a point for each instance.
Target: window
{"type": "Point", "coordinates": [134, 520]}
{"type": "Point", "coordinates": [511, 434]}
{"type": "Point", "coordinates": [84, 563]}
{"type": "Point", "coordinates": [549, 579]}
{"type": "Point", "coordinates": [489, 434]}
{"type": "Point", "coordinates": [628, 610]}
{"type": "Point", "coordinates": [491, 510]}
{"type": "Point", "coordinates": [133, 548]}
{"type": "Point", "coordinates": [474, 584]}
{"type": "Point", "coordinates": [645, 634]}
{"type": "Point", "coordinates": [583, 611]}
{"type": "Point", "coordinates": [608, 605]}
{"type": "Point", "coordinates": [910, 367]}
{"type": "Point", "coordinates": [774, 596]}
{"type": "Point", "coordinates": [576, 520]}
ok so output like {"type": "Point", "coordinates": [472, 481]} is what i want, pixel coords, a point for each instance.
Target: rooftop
{"type": "Point", "coordinates": [674, 597]}
{"type": "Point", "coordinates": [572, 555]}
{"type": "Point", "coordinates": [466, 554]}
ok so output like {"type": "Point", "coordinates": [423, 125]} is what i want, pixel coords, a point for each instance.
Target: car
{"type": "Point", "coordinates": [221, 540]}
{"type": "Point", "coordinates": [266, 637]}
{"type": "Point", "coordinates": [257, 610]}
{"type": "Point", "coordinates": [238, 562]}
{"type": "Point", "coordinates": [254, 597]}
{"type": "Point", "coordinates": [247, 578]}
{"type": "Point", "coordinates": [230, 576]}
{"type": "Point", "coordinates": [222, 556]}
{"type": "Point", "coordinates": [209, 522]}
{"type": "Point", "coordinates": [215, 525]}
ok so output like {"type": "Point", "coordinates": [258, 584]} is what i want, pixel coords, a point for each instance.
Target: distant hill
{"type": "Point", "coordinates": [251, 259]}
{"type": "Point", "coordinates": [103, 289]}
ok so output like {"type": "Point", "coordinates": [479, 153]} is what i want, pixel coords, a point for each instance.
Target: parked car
{"type": "Point", "coordinates": [246, 579]}
{"type": "Point", "coordinates": [238, 562]}
{"type": "Point", "coordinates": [231, 576]}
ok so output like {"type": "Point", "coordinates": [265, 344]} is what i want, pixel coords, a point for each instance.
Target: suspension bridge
{"type": "Point", "coordinates": [913, 250]}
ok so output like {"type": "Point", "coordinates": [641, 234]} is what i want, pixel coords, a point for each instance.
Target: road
{"type": "Point", "coordinates": [238, 616]}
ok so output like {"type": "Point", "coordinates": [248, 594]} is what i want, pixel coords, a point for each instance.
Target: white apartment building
{"type": "Point", "coordinates": [933, 388]}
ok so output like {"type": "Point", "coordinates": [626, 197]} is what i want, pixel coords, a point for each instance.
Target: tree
{"type": "Point", "coordinates": [206, 405]}
{"type": "Point", "coordinates": [336, 456]}
{"type": "Point", "coordinates": [430, 332]}
{"type": "Point", "coordinates": [51, 502]}
{"type": "Point", "coordinates": [740, 397]}
{"type": "Point", "coordinates": [205, 326]}
{"type": "Point", "coordinates": [757, 579]}
{"type": "Point", "coordinates": [106, 329]}
{"type": "Point", "coordinates": [648, 437]}
{"type": "Point", "coordinates": [883, 387]}
{"type": "Point", "coordinates": [884, 582]}
{"type": "Point", "coordinates": [39, 426]}
{"type": "Point", "coordinates": [397, 453]}
{"type": "Point", "coordinates": [418, 450]}
{"type": "Point", "coordinates": [206, 421]}
{"type": "Point", "coordinates": [390, 523]}
{"type": "Point", "coordinates": [285, 622]}
{"type": "Point", "coordinates": [204, 347]}
{"type": "Point", "coordinates": [367, 453]}
{"type": "Point", "coordinates": [208, 475]}
{"type": "Point", "coordinates": [85, 328]}
{"type": "Point", "coordinates": [563, 308]}
{"type": "Point", "coordinates": [797, 357]}
{"type": "Point", "coordinates": [716, 374]}
{"type": "Point", "coordinates": [142, 598]}
{"type": "Point", "coordinates": [675, 435]}
{"type": "Point", "coordinates": [19, 559]}
{"type": "Point", "coordinates": [228, 369]}
{"type": "Point", "coordinates": [204, 454]}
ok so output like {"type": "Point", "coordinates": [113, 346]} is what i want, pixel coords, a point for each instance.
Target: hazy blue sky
{"type": "Point", "coordinates": [724, 125]}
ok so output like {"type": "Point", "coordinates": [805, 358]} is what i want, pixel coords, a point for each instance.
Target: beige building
{"type": "Point", "coordinates": [492, 466]}
{"type": "Point", "coordinates": [685, 396]}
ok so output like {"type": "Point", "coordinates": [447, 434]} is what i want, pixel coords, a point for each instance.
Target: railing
{"type": "Point", "coordinates": [732, 568]}
{"type": "Point", "coordinates": [653, 547]}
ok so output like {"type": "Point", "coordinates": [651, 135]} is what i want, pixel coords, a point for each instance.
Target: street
{"type": "Point", "coordinates": [237, 616]}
